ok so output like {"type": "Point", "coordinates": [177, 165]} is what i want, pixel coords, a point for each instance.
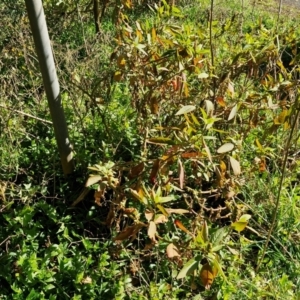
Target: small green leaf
{"type": "Point", "coordinates": [204, 232]}
{"type": "Point", "coordinates": [138, 196]}
{"type": "Point", "coordinates": [241, 224]}
{"type": "Point", "coordinates": [214, 260]}
{"type": "Point", "coordinates": [189, 267]}
{"type": "Point", "coordinates": [217, 238]}
{"type": "Point", "coordinates": [49, 287]}
{"type": "Point", "coordinates": [203, 75]}
{"type": "Point", "coordinates": [163, 210]}
{"type": "Point", "coordinates": [202, 236]}
{"type": "Point", "coordinates": [165, 199]}
{"type": "Point", "coordinates": [245, 218]}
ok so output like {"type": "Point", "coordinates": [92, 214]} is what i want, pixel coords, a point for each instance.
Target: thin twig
{"type": "Point", "coordinates": [242, 18]}
{"type": "Point", "coordinates": [279, 12]}
{"type": "Point", "coordinates": [274, 215]}
{"type": "Point", "coordinates": [265, 232]}
{"type": "Point", "coordinates": [9, 237]}
{"type": "Point", "coordinates": [212, 47]}
{"type": "Point", "coordinates": [81, 196]}
{"type": "Point", "coordinates": [27, 115]}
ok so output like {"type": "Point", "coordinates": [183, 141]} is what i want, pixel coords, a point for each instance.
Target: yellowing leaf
{"type": "Point", "coordinates": [281, 118]}
{"type": "Point", "coordinates": [125, 234]}
{"type": "Point", "coordinates": [233, 112]}
{"type": "Point", "coordinates": [75, 77]}
{"type": "Point", "coordinates": [203, 75]}
{"type": "Point", "coordinates": [154, 106]}
{"type": "Point", "coordinates": [225, 148]}
{"type": "Point", "coordinates": [152, 231]}
{"type": "Point", "coordinates": [160, 140]}
{"type": "Point", "coordinates": [98, 195]}
{"type": "Point", "coordinates": [202, 235]}
{"type": "Point", "coordinates": [121, 62]}
{"type": "Point", "coordinates": [153, 34]}
{"type": "Point", "coordinates": [221, 101]}
{"type": "Point", "coordinates": [179, 211]}
{"type": "Point", "coordinates": [181, 174]}
{"type": "Point", "coordinates": [261, 163]}
{"type": "Point", "coordinates": [186, 89]}
{"type": "Point", "coordinates": [245, 218]}
{"type": "Point", "coordinates": [160, 219]}
{"type": "Point", "coordinates": [164, 199]}
{"type": "Point", "coordinates": [259, 145]}
{"type": "Point", "coordinates": [86, 280]}
{"type": "Point", "coordinates": [236, 167]}
{"type": "Point", "coordinates": [207, 151]}
{"type": "Point", "coordinates": [222, 167]}
{"type": "Point", "coordinates": [241, 224]}
{"type": "Point", "coordinates": [172, 251]}
{"type": "Point", "coordinates": [136, 170]}
{"type": "Point", "coordinates": [191, 154]}
{"type": "Point", "coordinates": [209, 108]}
{"type": "Point", "coordinates": [162, 209]}
{"type": "Point", "coordinates": [110, 217]}
{"type": "Point", "coordinates": [204, 231]}
{"type": "Point", "coordinates": [286, 126]}
{"type": "Point", "coordinates": [137, 196]}
{"type": "Point", "coordinates": [92, 180]}
{"type": "Point", "coordinates": [127, 3]}
{"type": "Point", "coordinates": [185, 109]}
{"type": "Point", "coordinates": [230, 88]}
{"type": "Point", "coordinates": [196, 122]}
{"type": "Point", "coordinates": [181, 226]}
{"type": "Point", "coordinates": [149, 215]}
{"type": "Point", "coordinates": [207, 275]}
{"type": "Point", "coordinates": [130, 211]}
{"type": "Point", "coordinates": [117, 76]}
{"type": "Point", "coordinates": [154, 171]}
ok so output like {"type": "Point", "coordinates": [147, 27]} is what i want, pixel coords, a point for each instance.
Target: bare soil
{"type": "Point", "coordinates": [295, 3]}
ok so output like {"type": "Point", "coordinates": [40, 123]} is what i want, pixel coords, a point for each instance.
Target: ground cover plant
{"type": "Point", "coordinates": [184, 118]}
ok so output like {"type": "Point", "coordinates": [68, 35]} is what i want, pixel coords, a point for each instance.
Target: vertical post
{"type": "Point", "coordinates": [39, 30]}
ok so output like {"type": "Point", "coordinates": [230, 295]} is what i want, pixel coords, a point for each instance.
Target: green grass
{"type": "Point", "coordinates": [51, 250]}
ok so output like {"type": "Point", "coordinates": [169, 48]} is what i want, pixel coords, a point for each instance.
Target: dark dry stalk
{"type": "Point", "coordinates": [212, 47]}
{"type": "Point", "coordinates": [274, 214]}
{"type": "Point", "coordinates": [26, 114]}
{"type": "Point", "coordinates": [279, 11]}
{"type": "Point", "coordinates": [242, 18]}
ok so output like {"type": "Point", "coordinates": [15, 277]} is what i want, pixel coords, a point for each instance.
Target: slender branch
{"type": "Point", "coordinates": [210, 32]}
{"type": "Point", "coordinates": [242, 17]}
{"type": "Point", "coordinates": [82, 195]}
{"type": "Point", "coordinates": [283, 169]}
{"type": "Point", "coordinates": [9, 237]}
{"type": "Point", "coordinates": [27, 115]}
{"type": "Point", "coordinates": [212, 47]}
{"type": "Point", "coordinates": [279, 11]}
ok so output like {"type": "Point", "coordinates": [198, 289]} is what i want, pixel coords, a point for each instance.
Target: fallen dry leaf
{"type": "Point", "coordinates": [172, 251]}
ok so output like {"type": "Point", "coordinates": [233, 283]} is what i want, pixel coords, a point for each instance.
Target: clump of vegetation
{"type": "Point", "coordinates": [184, 124]}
